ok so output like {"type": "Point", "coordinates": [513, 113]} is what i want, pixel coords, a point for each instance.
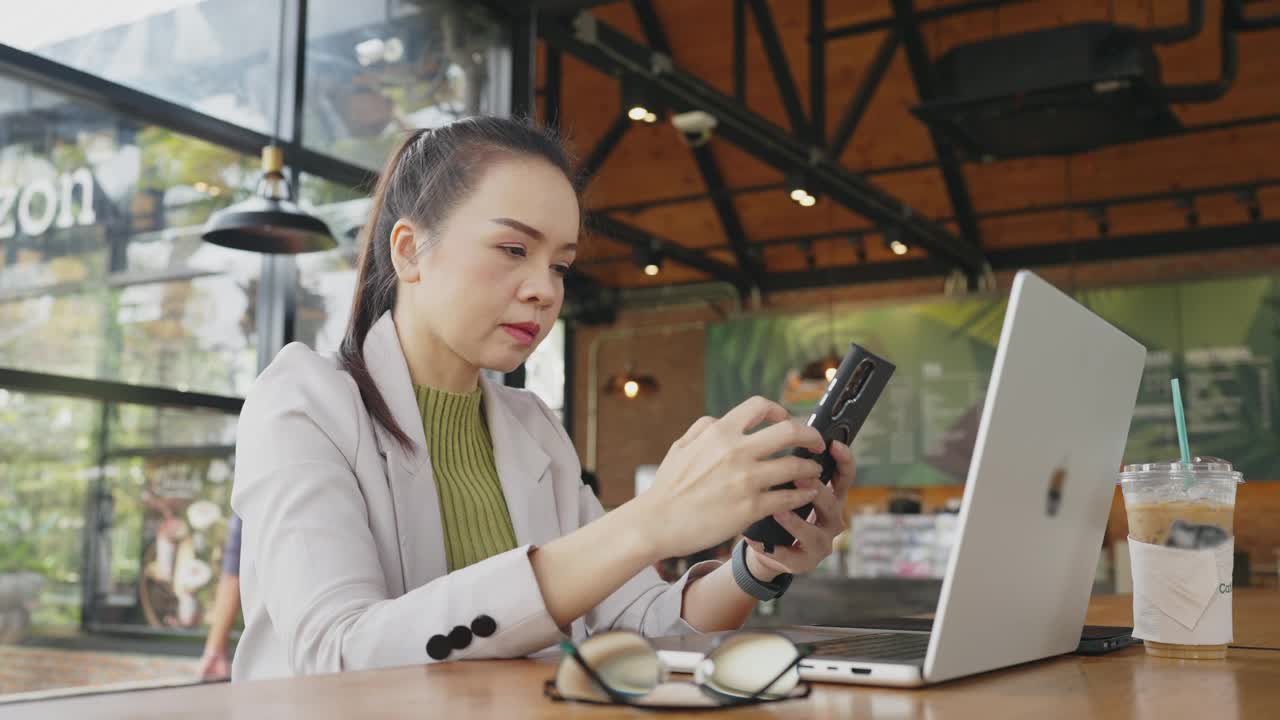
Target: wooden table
{"type": "Point", "coordinates": [1126, 684]}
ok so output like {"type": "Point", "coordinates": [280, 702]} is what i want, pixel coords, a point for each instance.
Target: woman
{"type": "Point", "coordinates": [399, 508]}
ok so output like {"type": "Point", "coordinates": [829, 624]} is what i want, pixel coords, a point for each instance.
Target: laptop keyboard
{"type": "Point", "coordinates": [890, 646]}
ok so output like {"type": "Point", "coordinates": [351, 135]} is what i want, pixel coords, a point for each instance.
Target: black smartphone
{"type": "Point", "coordinates": [1102, 639]}
{"type": "Point", "coordinates": [844, 406]}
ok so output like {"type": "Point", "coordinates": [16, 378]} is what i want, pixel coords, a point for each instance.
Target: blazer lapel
{"type": "Point", "coordinates": [522, 466]}
{"type": "Point", "coordinates": [409, 477]}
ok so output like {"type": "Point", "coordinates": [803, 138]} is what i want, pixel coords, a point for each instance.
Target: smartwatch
{"type": "Point", "coordinates": [749, 584]}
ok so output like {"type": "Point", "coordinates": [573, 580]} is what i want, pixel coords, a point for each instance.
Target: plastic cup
{"type": "Point", "coordinates": [1163, 509]}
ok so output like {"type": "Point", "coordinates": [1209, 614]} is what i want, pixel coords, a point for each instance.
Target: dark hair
{"type": "Point", "coordinates": [424, 179]}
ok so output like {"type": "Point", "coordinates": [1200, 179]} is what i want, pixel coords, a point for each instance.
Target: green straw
{"type": "Point", "coordinates": [1181, 418]}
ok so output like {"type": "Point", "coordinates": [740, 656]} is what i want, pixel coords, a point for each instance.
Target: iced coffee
{"type": "Point", "coordinates": [1181, 522]}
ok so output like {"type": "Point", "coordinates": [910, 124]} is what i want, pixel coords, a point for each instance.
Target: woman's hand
{"type": "Point", "coordinates": [814, 536]}
{"type": "Point", "coordinates": [214, 664]}
{"type": "Point", "coordinates": [715, 480]}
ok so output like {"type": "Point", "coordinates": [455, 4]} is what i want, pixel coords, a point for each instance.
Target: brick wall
{"type": "Point", "coordinates": [636, 432]}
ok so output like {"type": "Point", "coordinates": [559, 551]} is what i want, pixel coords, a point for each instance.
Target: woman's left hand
{"type": "Point", "coordinates": [815, 535]}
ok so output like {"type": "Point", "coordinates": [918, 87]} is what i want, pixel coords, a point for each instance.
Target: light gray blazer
{"type": "Point", "coordinates": [342, 559]}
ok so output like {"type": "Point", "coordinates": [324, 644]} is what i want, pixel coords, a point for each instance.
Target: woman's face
{"type": "Point", "coordinates": [492, 279]}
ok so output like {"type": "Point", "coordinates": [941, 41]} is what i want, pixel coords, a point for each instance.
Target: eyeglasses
{"type": "Point", "coordinates": [622, 667]}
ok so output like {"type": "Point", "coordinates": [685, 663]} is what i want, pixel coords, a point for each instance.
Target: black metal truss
{"type": "Point", "coordinates": [652, 26]}
{"type": "Point", "coordinates": [817, 73]}
{"type": "Point", "coordinates": [1245, 192]}
{"type": "Point", "coordinates": [708, 167]}
{"type": "Point", "coordinates": [887, 23]}
{"type": "Point", "coordinates": [635, 237]}
{"type": "Point", "coordinates": [1107, 249]}
{"type": "Point", "coordinates": [552, 91]}
{"type": "Point", "coordinates": [590, 165]}
{"type": "Point", "coordinates": [913, 167]}
{"type": "Point", "coordinates": [861, 99]}
{"type": "Point", "coordinates": [614, 53]}
{"type": "Point", "coordinates": [727, 212]}
{"type": "Point", "coordinates": [740, 51]}
{"type": "Point", "coordinates": [524, 67]}
{"type": "Point", "coordinates": [779, 66]}
{"type": "Point", "coordinates": [922, 75]}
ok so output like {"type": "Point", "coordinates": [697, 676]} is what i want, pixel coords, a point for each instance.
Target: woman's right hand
{"type": "Point", "coordinates": [716, 479]}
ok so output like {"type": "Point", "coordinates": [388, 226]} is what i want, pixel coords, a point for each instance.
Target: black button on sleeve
{"type": "Point", "coordinates": [459, 637]}
{"type": "Point", "coordinates": [483, 626]}
{"type": "Point", "coordinates": [439, 647]}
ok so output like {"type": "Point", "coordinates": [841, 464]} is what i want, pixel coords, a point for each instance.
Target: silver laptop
{"type": "Point", "coordinates": [1053, 430]}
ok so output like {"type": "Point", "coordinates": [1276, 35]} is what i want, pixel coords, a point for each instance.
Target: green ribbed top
{"type": "Point", "coordinates": [473, 510]}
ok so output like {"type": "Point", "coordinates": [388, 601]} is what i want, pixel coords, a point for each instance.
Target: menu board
{"type": "Point", "coordinates": [1221, 337]}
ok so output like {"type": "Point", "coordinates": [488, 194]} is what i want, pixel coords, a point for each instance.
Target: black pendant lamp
{"type": "Point", "coordinates": [269, 222]}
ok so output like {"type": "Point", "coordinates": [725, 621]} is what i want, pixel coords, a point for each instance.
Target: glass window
{"type": "Point", "coordinates": [216, 56]}
{"type": "Point", "coordinates": [162, 543]}
{"type": "Point", "coordinates": [45, 474]}
{"type": "Point", "coordinates": [162, 486]}
{"type": "Point", "coordinates": [544, 370]}
{"type": "Point", "coordinates": [377, 70]}
{"type": "Point", "coordinates": [102, 270]}
{"type": "Point", "coordinates": [327, 280]}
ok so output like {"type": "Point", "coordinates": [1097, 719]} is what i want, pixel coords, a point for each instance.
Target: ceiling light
{"type": "Point", "coordinates": [824, 368]}
{"type": "Point", "coordinates": [648, 259]}
{"type": "Point", "coordinates": [808, 201]}
{"type": "Point", "coordinates": [892, 237]}
{"type": "Point", "coordinates": [630, 385]}
{"type": "Point", "coordinates": [797, 187]}
{"type": "Point", "coordinates": [639, 101]}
